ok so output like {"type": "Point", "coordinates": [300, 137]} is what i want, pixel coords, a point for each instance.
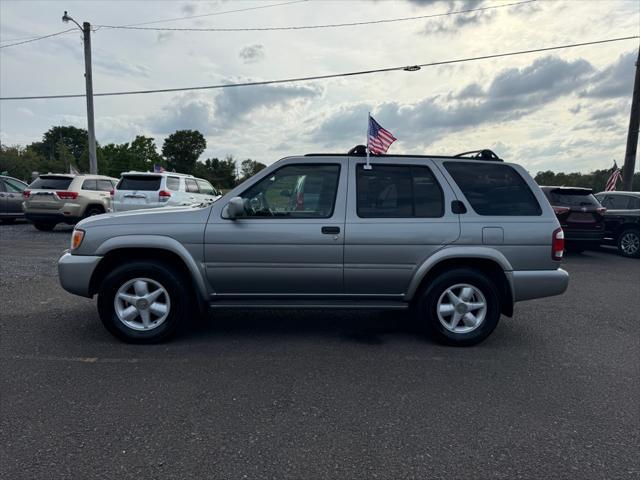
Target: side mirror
{"type": "Point", "coordinates": [235, 207]}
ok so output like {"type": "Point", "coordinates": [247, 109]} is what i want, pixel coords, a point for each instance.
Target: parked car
{"type": "Point", "coordinates": [580, 214]}
{"type": "Point", "coordinates": [138, 190]}
{"type": "Point", "coordinates": [11, 198]}
{"type": "Point", "coordinates": [458, 240]}
{"type": "Point", "coordinates": [622, 221]}
{"type": "Point", "coordinates": [60, 198]}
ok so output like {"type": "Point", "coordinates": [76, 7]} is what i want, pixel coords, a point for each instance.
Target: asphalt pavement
{"type": "Point", "coordinates": [553, 393]}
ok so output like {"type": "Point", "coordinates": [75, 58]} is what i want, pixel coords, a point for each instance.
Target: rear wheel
{"type": "Point", "coordinates": [91, 211]}
{"type": "Point", "coordinates": [629, 243]}
{"type": "Point", "coordinates": [460, 307]}
{"type": "Point", "coordinates": [143, 302]}
{"type": "Point", "coordinates": [44, 227]}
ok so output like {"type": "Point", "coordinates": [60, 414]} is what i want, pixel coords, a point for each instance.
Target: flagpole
{"type": "Point", "coordinates": [367, 165]}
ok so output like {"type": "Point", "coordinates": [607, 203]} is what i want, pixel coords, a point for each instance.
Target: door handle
{"type": "Point", "coordinates": [331, 230]}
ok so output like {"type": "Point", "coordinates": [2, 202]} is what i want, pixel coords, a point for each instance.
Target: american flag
{"type": "Point", "coordinates": [613, 178]}
{"type": "Point", "coordinates": [158, 168]}
{"type": "Point", "coordinates": [378, 139]}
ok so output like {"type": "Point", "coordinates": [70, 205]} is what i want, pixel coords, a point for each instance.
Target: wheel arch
{"type": "Point", "coordinates": [485, 260]}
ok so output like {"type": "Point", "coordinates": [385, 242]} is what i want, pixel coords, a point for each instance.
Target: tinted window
{"type": "Point", "coordinates": [397, 191]}
{"type": "Point", "coordinates": [191, 184]}
{"type": "Point", "coordinates": [295, 191]}
{"type": "Point", "coordinates": [173, 183]}
{"type": "Point", "coordinates": [206, 187]}
{"type": "Point", "coordinates": [494, 189]}
{"type": "Point", "coordinates": [51, 183]}
{"type": "Point", "coordinates": [104, 185]}
{"type": "Point", "coordinates": [622, 202]}
{"type": "Point", "coordinates": [89, 185]}
{"type": "Point", "coordinates": [139, 182]}
{"type": "Point", "coordinates": [571, 198]}
{"type": "Point", "coordinates": [13, 186]}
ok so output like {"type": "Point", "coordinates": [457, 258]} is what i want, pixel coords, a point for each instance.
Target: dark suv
{"type": "Point", "coordinates": [580, 214]}
{"type": "Point", "coordinates": [622, 221]}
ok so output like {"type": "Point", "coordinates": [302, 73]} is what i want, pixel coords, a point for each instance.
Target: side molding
{"type": "Point", "coordinates": [158, 242]}
{"type": "Point", "coordinates": [456, 253]}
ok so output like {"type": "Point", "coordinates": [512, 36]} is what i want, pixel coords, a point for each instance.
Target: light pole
{"type": "Point", "coordinates": [86, 37]}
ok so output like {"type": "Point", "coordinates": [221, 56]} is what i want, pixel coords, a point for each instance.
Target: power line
{"type": "Point", "coordinates": [34, 39]}
{"type": "Point", "coordinates": [309, 27]}
{"type": "Point", "coordinates": [333, 75]}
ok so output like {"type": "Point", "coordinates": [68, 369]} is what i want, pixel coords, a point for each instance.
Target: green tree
{"type": "Point", "coordinates": [248, 168]}
{"type": "Point", "coordinates": [182, 149]}
{"type": "Point", "coordinates": [19, 162]}
{"type": "Point", "coordinates": [144, 154]}
{"type": "Point", "coordinates": [75, 141]}
{"type": "Point", "coordinates": [221, 173]}
{"type": "Point", "coordinates": [116, 159]}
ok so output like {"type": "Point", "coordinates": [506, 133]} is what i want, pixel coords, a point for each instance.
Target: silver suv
{"type": "Point", "coordinates": [138, 190]}
{"type": "Point", "coordinates": [456, 240]}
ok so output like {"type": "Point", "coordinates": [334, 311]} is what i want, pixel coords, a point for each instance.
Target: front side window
{"type": "Point", "coordinates": [13, 186]}
{"type": "Point", "coordinates": [494, 189]}
{"type": "Point", "coordinates": [398, 191]}
{"type": "Point", "coordinates": [205, 187]}
{"type": "Point", "coordinates": [294, 191]}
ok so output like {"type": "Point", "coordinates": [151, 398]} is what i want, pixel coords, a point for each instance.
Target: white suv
{"type": "Point", "coordinates": [137, 190]}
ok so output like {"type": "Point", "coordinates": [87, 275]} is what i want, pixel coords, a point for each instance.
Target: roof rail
{"type": "Point", "coordinates": [485, 154]}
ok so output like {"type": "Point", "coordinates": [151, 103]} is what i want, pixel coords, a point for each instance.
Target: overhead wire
{"type": "Point", "coordinates": [328, 76]}
{"type": "Point", "coordinates": [35, 39]}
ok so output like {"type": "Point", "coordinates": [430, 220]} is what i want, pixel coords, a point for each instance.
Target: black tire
{"type": "Point", "coordinates": [91, 211]}
{"type": "Point", "coordinates": [176, 286]}
{"type": "Point", "coordinates": [628, 243]}
{"type": "Point", "coordinates": [44, 227]}
{"type": "Point", "coordinates": [427, 303]}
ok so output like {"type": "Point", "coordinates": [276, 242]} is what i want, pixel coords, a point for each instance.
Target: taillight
{"type": "Point", "coordinates": [561, 210]}
{"type": "Point", "coordinates": [163, 195]}
{"type": "Point", "coordinates": [26, 193]}
{"type": "Point", "coordinates": [67, 195]}
{"type": "Point", "coordinates": [112, 193]}
{"type": "Point", "coordinates": [601, 210]}
{"type": "Point", "coordinates": [557, 244]}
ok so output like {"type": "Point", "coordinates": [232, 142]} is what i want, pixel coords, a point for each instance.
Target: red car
{"type": "Point", "coordinates": [580, 215]}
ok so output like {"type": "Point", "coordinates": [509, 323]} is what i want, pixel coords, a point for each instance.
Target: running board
{"type": "Point", "coordinates": [309, 303]}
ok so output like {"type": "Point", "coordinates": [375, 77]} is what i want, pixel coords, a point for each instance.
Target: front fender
{"type": "Point", "coordinates": [454, 252]}
{"type": "Point", "coordinates": [159, 242]}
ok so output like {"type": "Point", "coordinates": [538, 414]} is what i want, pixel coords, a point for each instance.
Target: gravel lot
{"type": "Point", "coordinates": [553, 393]}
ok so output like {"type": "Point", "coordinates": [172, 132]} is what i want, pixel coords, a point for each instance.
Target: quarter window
{"type": "Point", "coordinates": [294, 191]}
{"type": "Point", "coordinates": [398, 191]}
{"type": "Point", "coordinates": [494, 189]}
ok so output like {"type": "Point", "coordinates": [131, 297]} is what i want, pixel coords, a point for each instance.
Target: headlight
{"type": "Point", "coordinates": [76, 238]}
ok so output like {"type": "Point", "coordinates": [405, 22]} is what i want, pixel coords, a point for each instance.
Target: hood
{"type": "Point", "coordinates": [165, 215]}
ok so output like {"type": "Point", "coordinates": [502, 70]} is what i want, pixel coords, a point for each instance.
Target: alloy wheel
{"type": "Point", "coordinates": [142, 304]}
{"type": "Point", "coordinates": [461, 308]}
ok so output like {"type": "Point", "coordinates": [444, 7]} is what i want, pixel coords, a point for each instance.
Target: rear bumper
{"type": "Point", "coordinates": [75, 271]}
{"type": "Point", "coordinates": [530, 284]}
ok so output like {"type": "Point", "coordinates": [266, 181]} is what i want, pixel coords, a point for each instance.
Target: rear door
{"type": "Point", "coordinates": [290, 241]}
{"type": "Point", "coordinates": [44, 192]}
{"type": "Point", "coordinates": [13, 196]}
{"type": "Point", "coordinates": [137, 191]}
{"type": "Point", "coordinates": [396, 218]}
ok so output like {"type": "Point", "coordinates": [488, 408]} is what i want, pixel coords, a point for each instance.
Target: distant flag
{"type": "Point", "coordinates": [378, 139]}
{"type": "Point", "coordinates": [615, 176]}
{"type": "Point", "coordinates": [158, 168]}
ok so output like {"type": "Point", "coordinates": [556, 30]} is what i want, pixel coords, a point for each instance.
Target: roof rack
{"type": "Point", "coordinates": [485, 154]}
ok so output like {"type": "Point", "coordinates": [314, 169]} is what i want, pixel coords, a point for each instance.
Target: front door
{"type": "Point", "coordinates": [11, 197]}
{"type": "Point", "coordinates": [290, 239]}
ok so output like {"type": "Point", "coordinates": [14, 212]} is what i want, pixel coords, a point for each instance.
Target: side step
{"type": "Point", "coordinates": [308, 303]}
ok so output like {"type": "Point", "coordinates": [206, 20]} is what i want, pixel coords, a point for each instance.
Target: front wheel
{"type": "Point", "coordinates": [629, 243]}
{"type": "Point", "coordinates": [44, 227]}
{"type": "Point", "coordinates": [143, 302]}
{"type": "Point", "coordinates": [460, 307]}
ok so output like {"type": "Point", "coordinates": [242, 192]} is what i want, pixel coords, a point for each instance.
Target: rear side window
{"type": "Point", "coordinates": [571, 198]}
{"type": "Point", "coordinates": [398, 191]}
{"type": "Point", "coordinates": [191, 184]}
{"type": "Point", "coordinates": [173, 183]}
{"type": "Point", "coordinates": [621, 202]}
{"type": "Point", "coordinates": [494, 189]}
{"type": "Point", "coordinates": [146, 183]}
{"type": "Point", "coordinates": [89, 185]}
{"type": "Point", "coordinates": [51, 183]}
{"type": "Point", "coordinates": [104, 185]}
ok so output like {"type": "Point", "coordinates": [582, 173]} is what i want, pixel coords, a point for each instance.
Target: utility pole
{"type": "Point", "coordinates": [86, 37]}
{"type": "Point", "coordinates": [632, 135]}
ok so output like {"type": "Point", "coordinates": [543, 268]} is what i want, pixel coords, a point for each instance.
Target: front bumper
{"type": "Point", "coordinates": [529, 284]}
{"type": "Point", "coordinates": [75, 271]}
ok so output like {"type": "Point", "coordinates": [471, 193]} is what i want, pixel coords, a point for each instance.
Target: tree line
{"type": "Point", "coordinates": [65, 147]}
{"type": "Point", "coordinates": [595, 180]}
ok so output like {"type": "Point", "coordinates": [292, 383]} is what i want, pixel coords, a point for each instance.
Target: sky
{"type": "Point", "coordinates": [565, 110]}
